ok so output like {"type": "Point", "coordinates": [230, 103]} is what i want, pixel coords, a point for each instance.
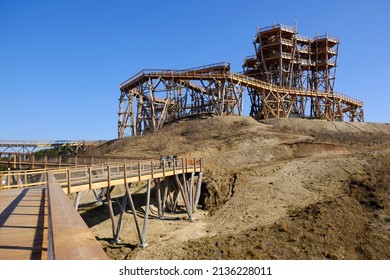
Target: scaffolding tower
{"type": "Point", "coordinates": [288, 76]}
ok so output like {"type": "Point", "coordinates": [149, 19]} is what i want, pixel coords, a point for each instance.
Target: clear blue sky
{"type": "Point", "coordinates": [61, 62]}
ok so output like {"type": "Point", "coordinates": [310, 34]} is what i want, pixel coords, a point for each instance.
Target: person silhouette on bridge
{"type": "Point", "coordinates": [161, 161]}
{"type": "Point", "coordinates": [169, 159]}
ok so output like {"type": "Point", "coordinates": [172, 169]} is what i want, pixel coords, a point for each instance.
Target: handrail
{"type": "Point", "coordinates": [285, 89]}
{"type": "Point", "coordinates": [249, 80]}
{"type": "Point", "coordinates": [38, 143]}
{"type": "Point", "coordinates": [72, 177]}
{"type": "Point", "coordinates": [277, 26]}
{"type": "Point", "coordinates": [326, 36]}
{"type": "Point", "coordinates": [194, 69]}
{"type": "Point", "coordinates": [69, 238]}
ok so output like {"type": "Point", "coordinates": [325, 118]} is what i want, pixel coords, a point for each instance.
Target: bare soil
{"type": "Point", "coordinates": [278, 189]}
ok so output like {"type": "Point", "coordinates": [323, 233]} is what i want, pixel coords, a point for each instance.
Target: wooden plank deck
{"type": "Point", "coordinates": [23, 224]}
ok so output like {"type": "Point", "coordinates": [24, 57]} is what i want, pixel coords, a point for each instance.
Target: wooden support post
{"type": "Point", "coordinates": [75, 160]}
{"type": "Point", "coordinates": [77, 200]}
{"type": "Point", "coordinates": [33, 161]}
{"type": "Point", "coordinates": [176, 195]}
{"type": "Point", "coordinates": [145, 226]}
{"type": "Point", "coordinates": [185, 196]}
{"type": "Point", "coordinates": [7, 181]}
{"type": "Point", "coordinates": [165, 194]}
{"type": "Point", "coordinates": [119, 225]}
{"type": "Point", "coordinates": [164, 168]}
{"type": "Point", "coordinates": [186, 189]}
{"type": "Point", "coordinates": [14, 161]}
{"type": "Point", "coordinates": [157, 183]}
{"type": "Point", "coordinates": [45, 161]}
{"type": "Point", "coordinates": [69, 179]}
{"type": "Point", "coordinates": [90, 177]}
{"type": "Point", "coordinates": [198, 189]}
{"type": "Point", "coordinates": [111, 210]}
{"type": "Point", "coordinates": [191, 192]}
{"type": "Point", "coordinates": [109, 201]}
{"type": "Point", "coordinates": [127, 187]}
{"type": "Point", "coordinates": [194, 164]}
{"type": "Point", "coordinates": [20, 161]}
{"type": "Point", "coordinates": [152, 169]}
{"type": "Point", "coordinates": [139, 171]}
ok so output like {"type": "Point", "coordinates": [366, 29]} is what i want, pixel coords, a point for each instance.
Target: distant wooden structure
{"type": "Point", "coordinates": [28, 147]}
{"type": "Point", "coordinates": [289, 76]}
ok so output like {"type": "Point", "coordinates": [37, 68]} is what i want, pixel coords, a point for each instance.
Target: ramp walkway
{"type": "Point", "coordinates": [38, 220]}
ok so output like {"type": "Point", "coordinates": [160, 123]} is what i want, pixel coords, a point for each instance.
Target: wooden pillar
{"type": "Point", "coordinates": [33, 161]}
{"type": "Point", "coordinates": [68, 177]}
{"type": "Point", "coordinates": [198, 189]}
{"type": "Point", "coordinates": [157, 183]}
{"type": "Point", "coordinates": [109, 202]}
{"type": "Point", "coordinates": [145, 226]}
{"type": "Point", "coordinates": [190, 192]}
{"type": "Point", "coordinates": [127, 187]}
{"type": "Point", "coordinates": [111, 210]}
{"type": "Point", "coordinates": [90, 177]}
{"type": "Point", "coordinates": [165, 194]}
{"type": "Point", "coordinates": [119, 225]}
{"type": "Point", "coordinates": [77, 200]}
{"type": "Point", "coordinates": [184, 195]}
{"type": "Point", "coordinates": [139, 171]}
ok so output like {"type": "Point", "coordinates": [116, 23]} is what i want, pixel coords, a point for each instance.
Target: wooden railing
{"type": "Point", "coordinates": [239, 78]}
{"type": "Point", "coordinates": [32, 161]}
{"type": "Point", "coordinates": [81, 178]}
{"type": "Point", "coordinates": [69, 238]}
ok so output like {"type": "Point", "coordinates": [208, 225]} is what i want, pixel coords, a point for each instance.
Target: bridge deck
{"type": "Point", "coordinates": [23, 224]}
{"type": "Point", "coordinates": [29, 211]}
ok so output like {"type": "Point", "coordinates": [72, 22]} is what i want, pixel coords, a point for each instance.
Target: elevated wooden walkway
{"type": "Point", "coordinates": [221, 71]}
{"type": "Point", "coordinates": [38, 221]}
{"type": "Point", "coordinates": [23, 224]}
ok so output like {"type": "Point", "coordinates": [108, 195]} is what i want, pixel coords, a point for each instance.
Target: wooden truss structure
{"type": "Point", "coordinates": [153, 97]}
{"type": "Point", "coordinates": [289, 76]}
{"type": "Point", "coordinates": [296, 63]}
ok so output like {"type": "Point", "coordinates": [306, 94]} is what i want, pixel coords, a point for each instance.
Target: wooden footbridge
{"type": "Point", "coordinates": [25, 147]}
{"type": "Point", "coordinates": [215, 89]}
{"type": "Point", "coordinates": [38, 220]}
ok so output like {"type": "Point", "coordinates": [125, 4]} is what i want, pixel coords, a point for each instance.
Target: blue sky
{"type": "Point", "coordinates": [61, 62]}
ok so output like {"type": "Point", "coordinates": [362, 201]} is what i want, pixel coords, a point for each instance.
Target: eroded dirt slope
{"type": "Point", "coordinates": [282, 189]}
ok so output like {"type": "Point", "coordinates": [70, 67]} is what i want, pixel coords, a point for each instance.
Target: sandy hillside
{"type": "Point", "coordinates": [280, 189]}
